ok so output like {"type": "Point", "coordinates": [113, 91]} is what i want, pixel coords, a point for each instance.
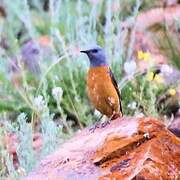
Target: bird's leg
{"type": "Point", "coordinates": [100, 117]}
{"type": "Point", "coordinates": [105, 123]}
{"type": "Point", "coordinates": [113, 116]}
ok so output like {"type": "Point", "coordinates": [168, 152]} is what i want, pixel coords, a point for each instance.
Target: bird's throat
{"type": "Point", "coordinates": [98, 64]}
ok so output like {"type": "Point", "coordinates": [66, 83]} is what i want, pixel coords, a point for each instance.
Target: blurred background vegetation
{"type": "Point", "coordinates": [43, 96]}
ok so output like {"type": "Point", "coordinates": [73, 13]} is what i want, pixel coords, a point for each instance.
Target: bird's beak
{"type": "Point", "coordinates": [84, 51]}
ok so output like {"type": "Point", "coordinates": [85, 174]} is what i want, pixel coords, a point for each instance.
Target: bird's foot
{"type": "Point", "coordinates": [104, 124]}
{"type": "Point", "coordinates": [99, 125]}
{"type": "Point", "coordinates": [94, 127]}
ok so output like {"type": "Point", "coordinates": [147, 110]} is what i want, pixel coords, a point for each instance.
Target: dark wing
{"type": "Point", "coordinates": [116, 87]}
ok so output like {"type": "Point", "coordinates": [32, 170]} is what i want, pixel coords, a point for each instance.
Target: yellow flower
{"type": "Point", "coordinates": [146, 56]}
{"type": "Point", "coordinates": [172, 92]}
{"type": "Point", "coordinates": [158, 78]}
{"type": "Point", "coordinates": [154, 77]}
{"type": "Point", "coordinates": [140, 55]}
{"type": "Point", "coordinates": [150, 76]}
{"type": "Point", "coordinates": [143, 55]}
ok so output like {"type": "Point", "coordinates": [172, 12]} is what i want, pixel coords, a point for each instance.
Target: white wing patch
{"type": "Point", "coordinates": [111, 101]}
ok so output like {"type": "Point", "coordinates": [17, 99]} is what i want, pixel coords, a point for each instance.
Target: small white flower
{"type": "Point", "coordinates": [130, 67]}
{"type": "Point", "coordinates": [132, 105]}
{"type": "Point", "coordinates": [57, 93]}
{"type": "Point", "coordinates": [56, 78]}
{"type": "Point", "coordinates": [39, 103]}
{"type": "Point", "coordinates": [146, 135]}
{"type": "Point", "coordinates": [166, 69]}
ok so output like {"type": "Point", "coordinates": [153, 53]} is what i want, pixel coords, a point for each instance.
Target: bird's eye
{"type": "Point", "coordinates": [94, 51]}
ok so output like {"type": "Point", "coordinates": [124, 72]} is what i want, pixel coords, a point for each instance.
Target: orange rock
{"type": "Point", "coordinates": [127, 148]}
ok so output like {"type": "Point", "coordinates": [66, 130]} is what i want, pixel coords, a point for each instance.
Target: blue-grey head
{"type": "Point", "coordinates": [96, 55]}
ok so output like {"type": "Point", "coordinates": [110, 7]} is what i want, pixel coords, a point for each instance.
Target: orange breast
{"type": "Point", "coordinates": [101, 91]}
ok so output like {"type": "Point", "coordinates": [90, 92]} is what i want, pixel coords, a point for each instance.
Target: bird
{"type": "Point", "coordinates": [102, 87]}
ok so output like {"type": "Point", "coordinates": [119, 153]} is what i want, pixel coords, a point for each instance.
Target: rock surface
{"type": "Point", "coordinates": [127, 148]}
